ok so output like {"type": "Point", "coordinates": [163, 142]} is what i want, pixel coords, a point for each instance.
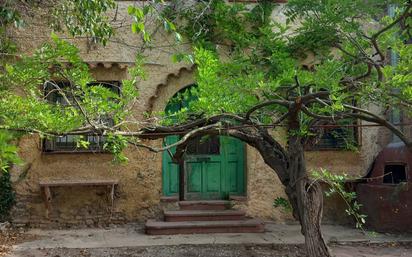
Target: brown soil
{"type": "Point", "coordinates": [364, 250]}
{"type": "Point", "coordinates": [10, 238]}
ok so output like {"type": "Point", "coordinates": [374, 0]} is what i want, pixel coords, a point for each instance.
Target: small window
{"type": "Point", "coordinates": [68, 143]}
{"type": "Point", "coordinates": [394, 174]}
{"type": "Point", "coordinates": [337, 136]}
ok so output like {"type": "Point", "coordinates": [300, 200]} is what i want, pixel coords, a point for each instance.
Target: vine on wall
{"type": "Point", "coordinates": [8, 156]}
{"type": "Point", "coordinates": [7, 196]}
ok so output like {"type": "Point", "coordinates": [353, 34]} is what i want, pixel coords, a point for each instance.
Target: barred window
{"type": "Point", "coordinates": [68, 143]}
{"type": "Point", "coordinates": [337, 136]}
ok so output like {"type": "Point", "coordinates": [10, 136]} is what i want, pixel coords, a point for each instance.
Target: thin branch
{"type": "Point", "coordinates": [404, 15]}
{"type": "Point", "coordinates": [283, 103]}
{"type": "Point", "coordinates": [366, 115]}
{"type": "Point", "coordinates": [374, 37]}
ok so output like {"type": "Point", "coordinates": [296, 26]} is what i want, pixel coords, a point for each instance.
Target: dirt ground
{"type": "Point", "coordinates": [10, 238]}
{"type": "Point", "coordinates": [383, 250]}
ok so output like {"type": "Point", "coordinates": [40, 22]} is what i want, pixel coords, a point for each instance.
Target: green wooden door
{"type": "Point", "coordinates": [170, 170]}
{"type": "Point", "coordinates": [203, 177]}
{"type": "Point", "coordinates": [213, 167]}
{"type": "Point", "coordinates": [233, 154]}
{"type": "Point", "coordinates": [203, 167]}
{"type": "Point", "coordinates": [217, 173]}
{"type": "Point", "coordinates": [214, 175]}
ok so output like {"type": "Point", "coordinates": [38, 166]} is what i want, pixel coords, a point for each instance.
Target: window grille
{"type": "Point", "coordinates": [68, 143]}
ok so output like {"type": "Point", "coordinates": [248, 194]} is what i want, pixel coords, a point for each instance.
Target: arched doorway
{"type": "Point", "coordinates": [213, 166]}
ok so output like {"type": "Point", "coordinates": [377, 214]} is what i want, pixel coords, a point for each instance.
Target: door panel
{"type": "Point", "coordinates": [170, 170]}
{"type": "Point", "coordinates": [232, 172]}
{"type": "Point", "coordinates": [234, 160]}
{"type": "Point", "coordinates": [212, 174]}
{"type": "Point", "coordinates": [194, 177]}
{"type": "Point", "coordinates": [174, 179]}
{"type": "Point", "coordinates": [202, 178]}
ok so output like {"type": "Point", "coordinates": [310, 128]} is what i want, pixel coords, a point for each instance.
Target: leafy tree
{"type": "Point", "coordinates": [250, 81]}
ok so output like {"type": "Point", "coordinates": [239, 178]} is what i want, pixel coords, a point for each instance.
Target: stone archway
{"type": "Point", "coordinates": [165, 91]}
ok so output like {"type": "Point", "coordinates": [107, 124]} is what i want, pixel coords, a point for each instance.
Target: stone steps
{"type": "Point", "coordinates": [203, 227]}
{"type": "Point", "coordinates": [204, 205]}
{"type": "Point", "coordinates": [200, 217]}
{"type": "Point", "coordinates": [203, 215]}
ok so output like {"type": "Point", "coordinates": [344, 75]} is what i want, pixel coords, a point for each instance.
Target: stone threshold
{"type": "Point", "coordinates": [172, 199]}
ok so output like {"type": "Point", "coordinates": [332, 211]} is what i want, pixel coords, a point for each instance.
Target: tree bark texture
{"type": "Point", "coordinates": [306, 197]}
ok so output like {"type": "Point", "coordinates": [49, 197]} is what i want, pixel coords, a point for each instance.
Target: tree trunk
{"type": "Point", "coordinates": [306, 198]}
{"type": "Point", "coordinates": [310, 205]}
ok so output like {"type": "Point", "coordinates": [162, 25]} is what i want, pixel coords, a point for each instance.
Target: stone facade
{"type": "Point", "coordinates": [138, 196]}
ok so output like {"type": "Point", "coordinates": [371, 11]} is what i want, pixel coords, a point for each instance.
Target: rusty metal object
{"type": "Point", "coordinates": [394, 153]}
{"type": "Point", "coordinates": [388, 205]}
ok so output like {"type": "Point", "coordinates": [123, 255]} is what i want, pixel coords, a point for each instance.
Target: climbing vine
{"type": "Point", "coordinates": [7, 196]}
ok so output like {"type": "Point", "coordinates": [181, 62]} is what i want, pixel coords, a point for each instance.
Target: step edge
{"type": "Point", "coordinates": [201, 213]}
{"type": "Point", "coordinates": [184, 231]}
{"type": "Point", "coordinates": [197, 224]}
{"type": "Point", "coordinates": [215, 202]}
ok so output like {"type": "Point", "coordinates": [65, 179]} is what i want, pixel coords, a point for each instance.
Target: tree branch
{"type": "Point", "coordinates": [283, 103]}
{"type": "Point", "coordinates": [374, 37]}
{"type": "Point", "coordinates": [366, 115]}
{"type": "Point", "coordinates": [186, 137]}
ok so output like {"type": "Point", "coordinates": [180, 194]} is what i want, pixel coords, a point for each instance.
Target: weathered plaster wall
{"type": "Point", "coordinates": [263, 187]}
{"type": "Point", "coordinates": [137, 195]}
{"type": "Point", "coordinates": [139, 191]}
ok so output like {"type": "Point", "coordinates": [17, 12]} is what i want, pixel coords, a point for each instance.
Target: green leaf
{"type": "Point", "coordinates": [191, 58]}
{"type": "Point", "coordinates": [141, 26]}
{"type": "Point", "coordinates": [169, 26]}
{"type": "Point", "coordinates": [130, 10]}
{"type": "Point", "coordinates": [138, 12]}
{"type": "Point", "coordinates": [146, 36]}
{"type": "Point", "coordinates": [147, 9]}
{"type": "Point", "coordinates": [135, 27]}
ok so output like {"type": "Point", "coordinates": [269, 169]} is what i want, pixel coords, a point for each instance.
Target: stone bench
{"type": "Point", "coordinates": [46, 186]}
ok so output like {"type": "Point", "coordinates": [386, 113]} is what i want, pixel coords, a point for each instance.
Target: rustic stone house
{"type": "Point", "coordinates": [60, 186]}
